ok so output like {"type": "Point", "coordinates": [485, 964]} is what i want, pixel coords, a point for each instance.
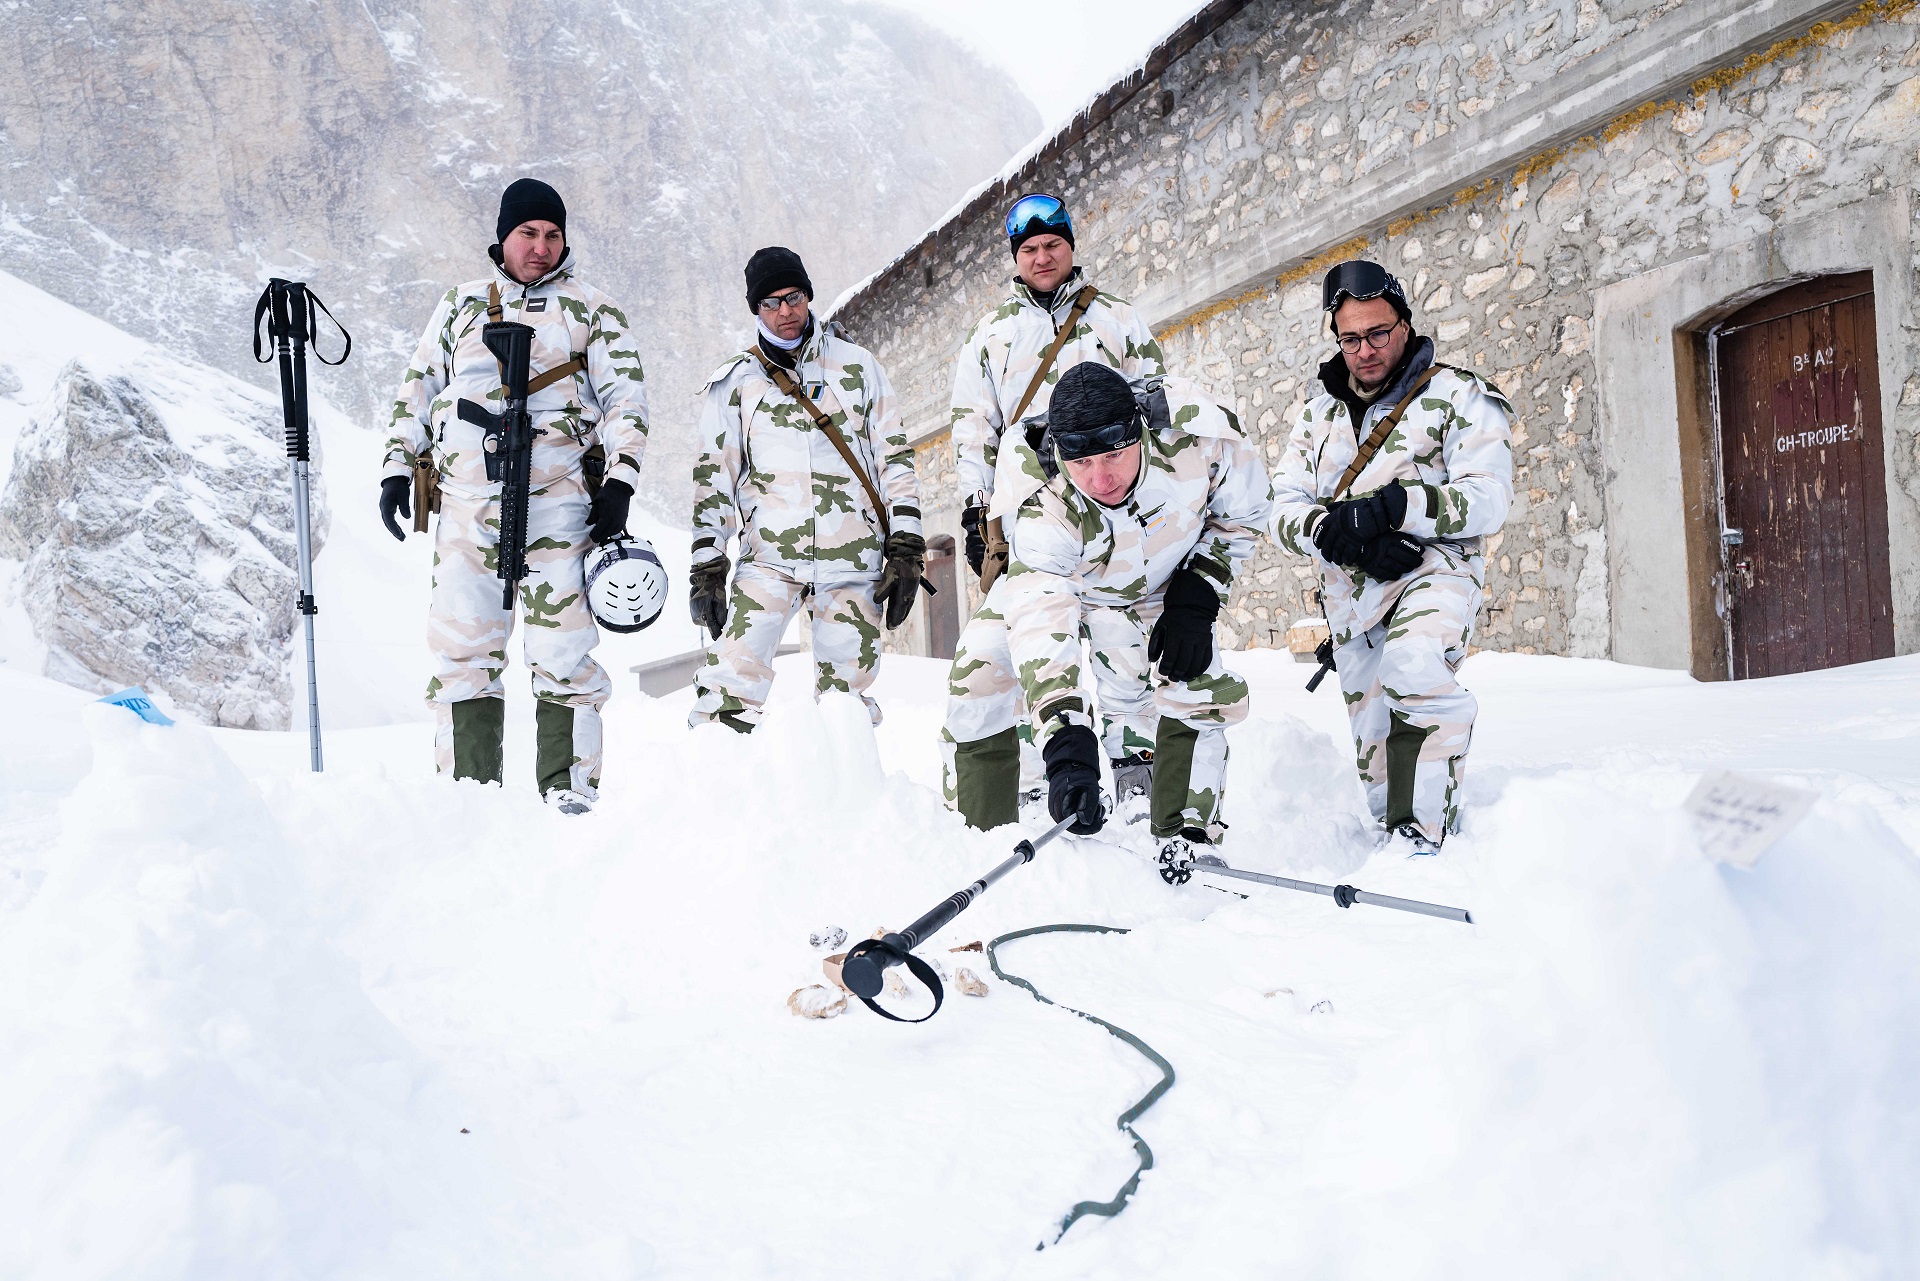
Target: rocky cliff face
{"type": "Point", "coordinates": [161, 158]}
{"type": "Point", "coordinates": [152, 507]}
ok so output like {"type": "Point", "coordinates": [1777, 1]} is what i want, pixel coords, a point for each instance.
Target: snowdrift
{"type": "Point", "coordinates": [263, 1023]}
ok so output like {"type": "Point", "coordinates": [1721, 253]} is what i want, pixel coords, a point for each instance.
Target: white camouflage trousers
{"type": "Point", "coordinates": [1412, 720]}
{"type": "Point", "coordinates": [738, 675]}
{"type": "Point", "coordinates": [467, 633]}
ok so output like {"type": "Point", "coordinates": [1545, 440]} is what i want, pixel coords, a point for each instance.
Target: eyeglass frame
{"type": "Point", "coordinates": [791, 298]}
{"type": "Point", "coordinates": [1383, 336]}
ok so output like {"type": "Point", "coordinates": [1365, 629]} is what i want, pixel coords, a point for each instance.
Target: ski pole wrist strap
{"type": "Point", "coordinates": [788, 386]}
{"type": "Point", "coordinates": [921, 970]}
{"type": "Point", "coordinates": [1381, 430]}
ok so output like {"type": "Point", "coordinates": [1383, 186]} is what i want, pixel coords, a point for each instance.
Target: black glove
{"type": "Point", "coordinates": [1394, 556]}
{"type": "Point", "coordinates": [1376, 515]}
{"type": "Point", "coordinates": [1182, 641]}
{"type": "Point", "coordinates": [974, 521]}
{"type": "Point", "coordinates": [607, 518]}
{"type": "Point", "coordinates": [707, 596]}
{"type": "Point", "coordinates": [906, 562]}
{"type": "Point", "coordinates": [393, 498]}
{"type": "Point", "coordinates": [1073, 778]}
{"type": "Point", "coordinates": [1333, 540]}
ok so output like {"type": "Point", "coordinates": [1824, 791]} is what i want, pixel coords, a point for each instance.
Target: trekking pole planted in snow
{"type": "Point", "coordinates": [1177, 871]}
{"type": "Point", "coordinates": [291, 312]}
{"type": "Point", "coordinates": [865, 969]}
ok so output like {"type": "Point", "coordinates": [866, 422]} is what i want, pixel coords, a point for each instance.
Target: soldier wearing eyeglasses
{"type": "Point", "coordinates": [811, 535]}
{"type": "Point", "coordinates": [1398, 543]}
{"type": "Point", "coordinates": [1132, 544]}
{"type": "Point", "coordinates": [996, 366]}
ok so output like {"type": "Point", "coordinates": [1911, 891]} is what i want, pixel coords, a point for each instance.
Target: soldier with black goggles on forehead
{"type": "Point", "coordinates": [1052, 320]}
{"type": "Point", "coordinates": [1129, 521]}
{"type": "Point", "coordinates": [1391, 481]}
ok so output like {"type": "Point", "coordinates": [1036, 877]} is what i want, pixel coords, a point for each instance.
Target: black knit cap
{"type": "Point", "coordinates": [529, 200]}
{"type": "Point", "coordinates": [1088, 396]}
{"type": "Point", "coordinates": [772, 270]}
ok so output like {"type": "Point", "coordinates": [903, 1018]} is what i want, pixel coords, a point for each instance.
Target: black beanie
{"type": "Point", "coordinates": [1090, 395]}
{"type": "Point", "coordinates": [529, 200]}
{"type": "Point", "coordinates": [772, 270]}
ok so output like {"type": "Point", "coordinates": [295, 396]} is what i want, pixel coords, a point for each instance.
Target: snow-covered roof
{"type": "Point", "coordinates": [1020, 170]}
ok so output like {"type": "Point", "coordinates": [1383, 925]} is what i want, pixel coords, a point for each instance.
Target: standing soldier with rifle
{"type": "Point", "coordinates": [1133, 544]}
{"type": "Point", "coordinates": [1391, 481]}
{"type": "Point", "coordinates": [1003, 378]}
{"type": "Point", "coordinates": [803, 457]}
{"type": "Point", "coordinates": [521, 421]}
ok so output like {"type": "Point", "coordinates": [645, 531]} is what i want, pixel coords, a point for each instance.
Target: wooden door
{"type": "Point", "coordinates": [943, 608]}
{"type": "Point", "coordinates": [1803, 481]}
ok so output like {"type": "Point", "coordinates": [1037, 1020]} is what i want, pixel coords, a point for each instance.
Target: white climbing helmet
{"type": "Point", "coordinates": [626, 584]}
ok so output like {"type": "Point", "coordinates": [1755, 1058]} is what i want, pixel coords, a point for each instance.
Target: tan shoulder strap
{"type": "Point", "coordinates": [543, 381]}
{"type": "Point", "coordinates": [1081, 301]}
{"type": "Point", "coordinates": [785, 382]}
{"type": "Point", "coordinates": [1381, 430]}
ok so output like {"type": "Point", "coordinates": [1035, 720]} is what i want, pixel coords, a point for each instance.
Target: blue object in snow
{"type": "Point", "coordinates": [135, 700]}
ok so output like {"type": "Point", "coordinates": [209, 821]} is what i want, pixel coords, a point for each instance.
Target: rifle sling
{"type": "Point", "coordinates": [1081, 301]}
{"type": "Point", "coordinates": [785, 382]}
{"type": "Point", "coordinates": [1381, 430]}
{"type": "Point", "coordinates": [539, 382]}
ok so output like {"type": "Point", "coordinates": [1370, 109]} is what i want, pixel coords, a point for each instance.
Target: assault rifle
{"type": "Point", "coordinates": [508, 445]}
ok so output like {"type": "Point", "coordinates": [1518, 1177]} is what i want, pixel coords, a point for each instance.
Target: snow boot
{"type": "Point", "coordinates": [1412, 842]}
{"type": "Point", "coordinates": [568, 802]}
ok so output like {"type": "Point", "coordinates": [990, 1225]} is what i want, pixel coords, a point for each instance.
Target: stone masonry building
{"type": "Point", "coordinates": [1679, 234]}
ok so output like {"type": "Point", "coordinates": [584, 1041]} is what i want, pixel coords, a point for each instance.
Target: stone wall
{"type": "Point", "coordinates": [1507, 161]}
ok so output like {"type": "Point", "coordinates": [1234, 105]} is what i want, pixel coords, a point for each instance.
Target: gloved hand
{"type": "Point", "coordinates": [1182, 641]}
{"type": "Point", "coordinates": [1333, 540]}
{"type": "Point", "coordinates": [906, 562]}
{"type": "Point", "coordinates": [1376, 515]}
{"type": "Point", "coordinates": [607, 518]}
{"type": "Point", "coordinates": [1073, 778]}
{"type": "Point", "coordinates": [974, 521]}
{"type": "Point", "coordinates": [707, 597]}
{"type": "Point", "coordinates": [393, 498]}
{"type": "Point", "coordinates": [1394, 556]}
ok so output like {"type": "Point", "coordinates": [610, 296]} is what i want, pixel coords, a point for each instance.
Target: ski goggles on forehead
{"type": "Point", "coordinates": [1097, 440]}
{"type": "Point", "coordinates": [1357, 279]}
{"type": "Point", "coordinates": [1046, 210]}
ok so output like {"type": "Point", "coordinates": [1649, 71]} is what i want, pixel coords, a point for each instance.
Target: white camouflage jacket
{"type": "Point", "coordinates": [1202, 500]}
{"type": "Point", "coordinates": [606, 404]}
{"type": "Point", "coordinates": [1452, 449]}
{"type": "Point", "coordinates": [1001, 353]}
{"type": "Point", "coordinates": [767, 473]}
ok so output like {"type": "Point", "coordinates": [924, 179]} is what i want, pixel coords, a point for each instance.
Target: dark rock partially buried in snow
{"type": "Point", "coordinates": [153, 510]}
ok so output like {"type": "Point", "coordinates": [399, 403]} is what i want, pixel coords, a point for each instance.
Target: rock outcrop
{"type": "Point", "coordinates": [152, 507]}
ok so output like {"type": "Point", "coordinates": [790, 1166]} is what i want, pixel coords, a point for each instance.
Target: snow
{"type": "Point", "coordinates": [369, 1023]}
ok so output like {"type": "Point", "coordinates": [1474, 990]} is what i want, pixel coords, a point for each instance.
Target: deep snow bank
{"type": "Point", "coordinates": [260, 1005]}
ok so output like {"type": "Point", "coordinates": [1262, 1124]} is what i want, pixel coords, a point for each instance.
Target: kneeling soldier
{"type": "Point", "coordinates": [1133, 541]}
{"type": "Point", "coordinates": [803, 456]}
{"type": "Point", "coordinates": [1428, 450]}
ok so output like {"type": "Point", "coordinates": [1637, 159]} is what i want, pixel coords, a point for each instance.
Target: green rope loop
{"type": "Point", "coordinates": [1106, 1209]}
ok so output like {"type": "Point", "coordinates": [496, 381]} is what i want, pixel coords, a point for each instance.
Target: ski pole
{"type": "Point", "coordinates": [1174, 871]}
{"type": "Point", "coordinates": [867, 962]}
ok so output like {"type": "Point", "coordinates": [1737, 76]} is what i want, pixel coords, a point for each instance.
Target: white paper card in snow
{"type": "Point", "coordinates": [1737, 817]}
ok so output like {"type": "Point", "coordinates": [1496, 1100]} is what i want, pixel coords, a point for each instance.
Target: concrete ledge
{"type": "Point", "coordinates": [1651, 65]}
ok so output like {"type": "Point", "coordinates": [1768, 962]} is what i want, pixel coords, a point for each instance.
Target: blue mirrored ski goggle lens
{"type": "Point", "coordinates": [1096, 440]}
{"type": "Point", "coordinates": [1046, 210]}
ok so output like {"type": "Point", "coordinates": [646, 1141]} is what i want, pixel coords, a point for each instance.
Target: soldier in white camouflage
{"type": "Point", "coordinates": [811, 534]}
{"type": "Point", "coordinates": [1400, 545]}
{"type": "Point", "coordinates": [1133, 544]}
{"type": "Point", "coordinates": [592, 418]}
{"type": "Point", "coordinates": [995, 367]}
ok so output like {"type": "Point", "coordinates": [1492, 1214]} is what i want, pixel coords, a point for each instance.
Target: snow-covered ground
{"type": "Point", "coordinates": [263, 1023]}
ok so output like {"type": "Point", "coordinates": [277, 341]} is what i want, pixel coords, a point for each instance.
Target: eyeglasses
{"type": "Point", "coordinates": [1075, 445]}
{"type": "Point", "coordinates": [792, 298]}
{"type": "Point", "coordinates": [1045, 210]}
{"type": "Point", "coordinates": [1375, 338]}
